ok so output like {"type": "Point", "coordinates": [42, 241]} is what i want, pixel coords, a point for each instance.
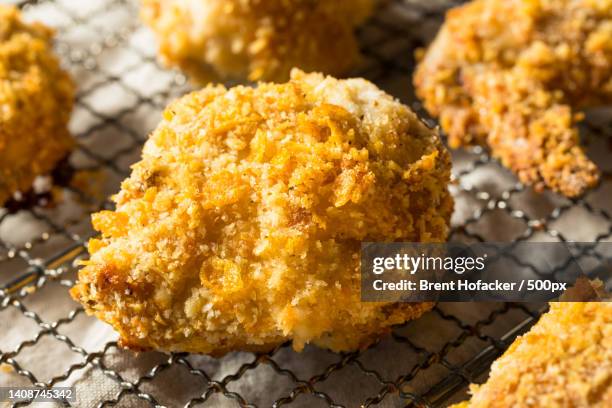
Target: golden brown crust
{"type": "Point", "coordinates": [256, 39]}
{"type": "Point", "coordinates": [36, 98]}
{"type": "Point", "coordinates": [240, 228]}
{"type": "Point", "coordinates": [565, 360]}
{"type": "Point", "coordinates": [513, 74]}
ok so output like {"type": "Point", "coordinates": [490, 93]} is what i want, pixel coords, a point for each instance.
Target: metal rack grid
{"type": "Point", "coordinates": [41, 242]}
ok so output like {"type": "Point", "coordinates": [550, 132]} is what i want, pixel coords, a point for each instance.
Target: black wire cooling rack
{"type": "Point", "coordinates": [122, 90]}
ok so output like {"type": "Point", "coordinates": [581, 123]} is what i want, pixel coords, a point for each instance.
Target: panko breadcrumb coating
{"type": "Point", "coordinates": [514, 74]}
{"type": "Point", "coordinates": [256, 39]}
{"type": "Point", "coordinates": [241, 226]}
{"type": "Point", "coordinates": [564, 361]}
{"type": "Point", "coordinates": [36, 97]}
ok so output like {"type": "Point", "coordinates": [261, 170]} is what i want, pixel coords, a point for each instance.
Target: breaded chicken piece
{"type": "Point", "coordinates": [565, 360]}
{"type": "Point", "coordinates": [514, 74]}
{"type": "Point", "coordinates": [256, 39]}
{"type": "Point", "coordinates": [241, 226]}
{"type": "Point", "coordinates": [36, 97]}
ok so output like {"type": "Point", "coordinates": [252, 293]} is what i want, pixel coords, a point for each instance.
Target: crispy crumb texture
{"type": "Point", "coordinates": [36, 96]}
{"type": "Point", "coordinates": [256, 39]}
{"type": "Point", "coordinates": [565, 360]}
{"type": "Point", "coordinates": [241, 226]}
{"type": "Point", "coordinates": [514, 75]}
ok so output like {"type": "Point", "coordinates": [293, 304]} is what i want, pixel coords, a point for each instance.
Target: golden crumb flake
{"type": "Point", "coordinates": [36, 97]}
{"type": "Point", "coordinates": [241, 226]}
{"type": "Point", "coordinates": [514, 74]}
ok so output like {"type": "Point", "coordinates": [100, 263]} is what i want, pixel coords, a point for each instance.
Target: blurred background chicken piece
{"type": "Point", "coordinates": [256, 39]}
{"type": "Point", "coordinates": [36, 98]}
{"type": "Point", "coordinates": [565, 360]}
{"type": "Point", "coordinates": [514, 75]}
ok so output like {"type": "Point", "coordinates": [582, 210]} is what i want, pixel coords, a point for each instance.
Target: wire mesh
{"type": "Point", "coordinates": [122, 91]}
